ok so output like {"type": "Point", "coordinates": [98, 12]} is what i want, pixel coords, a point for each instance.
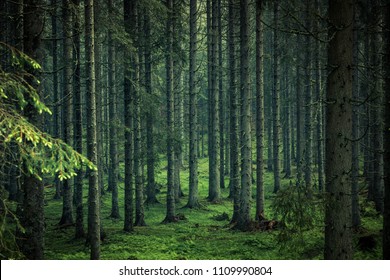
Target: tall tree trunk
{"type": "Point", "coordinates": [376, 112]}
{"type": "Point", "coordinates": [150, 153]}
{"type": "Point", "coordinates": [221, 97]}
{"type": "Point", "coordinates": [276, 103]}
{"type": "Point", "coordinates": [193, 201]}
{"type": "Point", "coordinates": [246, 147]}
{"type": "Point", "coordinates": [31, 207]}
{"type": "Point", "coordinates": [386, 156]}
{"type": "Point", "coordinates": [355, 131]}
{"type": "Point", "coordinates": [67, 207]}
{"type": "Point", "coordinates": [93, 191]}
{"type": "Point", "coordinates": [320, 107]}
{"type": "Point", "coordinates": [99, 92]}
{"type": "Point", "coordinates": [139, 184]}
{"type": "Point", "coordinates": [113, 173]}
{"type": "Point", "coordinates": [56, 99]}
{"type": "Point", "coordinates": [259, 112]}
{"type": "Point", "coordinates": [128, 104]}
{"type": "Point", "coordinates": [234, 133]}
{"type": "Point", "coordinates": [214, 163]}
{"type": "Point", "coordinates": [170, 215]}
{"type": "Point", "coordinates": [78, 124]}
{"type": "Point", "coordinates": [299, 115]}
{"type": "Point", "coordinates": [338, 239]}
{"type": "Point", "coordinates": [178, 98]}
{"type": "Point", "coordinates": [308, 105]}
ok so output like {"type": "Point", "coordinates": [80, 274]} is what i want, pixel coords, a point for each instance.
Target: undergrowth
{"type": "Point", "coordinates": [201, 235]}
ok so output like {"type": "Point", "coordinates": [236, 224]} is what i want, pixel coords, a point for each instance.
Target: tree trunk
{"type": "Point", "coordinates": [376, 113]}
{"type": "Point", "coordinates": [56, 99]}
{"type": "Point", "coordinates": [338, 239]}
{"type": "Point", "coordinates": [193, 201]}
{"type": "Point", "coordinates": [170, 215]}
{"type": "Point", "coordinates": [246, 147]}
{"type": "Point", "coordinates": [67, 118]}
{"type": "Point", "coordinates": [139, 185]}
{"type": "Point", "coordinates": [93, 191]}
{"type": "Point", "coordinates": [150, 153]}
{"type": "Point", "coordinates": [221, 105]}
{"type": "Point", "coordinates": [234, 134]}
{"type": "Point", "coordinates": [276, 103]}
{"type": "Point", "coordinates": [113, 173]}
{"type": "Point", "coordinates": [214, 163]}
{"type": "Point", "coordinates": [128, 104]}
{"type": "Point", "coordinates": [259, 112]}
{"type": "Point", "coordinates": [78, 124]}
{"type": "Point", "coordinates": [355, 132]}
{"type": "Point", "coordinates": [386, 156]}
{"type": "Point", "coordinates": [31, 207]}
{"type": "Point", "coordinates": [299, 115]}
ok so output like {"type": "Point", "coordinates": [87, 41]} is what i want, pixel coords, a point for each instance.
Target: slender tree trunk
{"type": "Point", "coordinates": [150, 153]}
{"type": "Point", "coordinates": [276, 103]}
{"type": "Point", "coordinates": [355, 132]}
{"type": "Point", "coordinates": [338, 239]}
{"type": "Point", "coordinates": [299, 115]}
{"type": "Point", "coordinates": [386, 156]}
{"type": "Point", "coordinates": [113, 173]}
{"type": "Point", "coordinates": [320, 108]}
{"type": "Point", "coordinates": [67, 207]}
{"type": "Point", "coordinates": [193, 201]}
{"type": "Point", "coordinates": [128, 7]}
{"type": "Point", "coordinates": [139, 185]}
{"type": "Point", "coordinates": [56, 99]}
{"type": "Point", "coordinates": [78, 124]}
{"type": "Point", "coordinates": [93, 192]}
{"type": "Point", "coordinates": [99, 93]}
{"type": "Point", "coordinates": [214, 163]}
{"type": "Point", "coordinates": [308, 105]}
{"type": "Point", "coordinates": [234, 134]}
{"type": "Point", "coordinates": [246, 147]}
{"type": "Point", "coordinates": [221, 97]}
{"type": "Point", "coordinates": [259, 112]}
{"type": "Point", "coordinates": [170, 215]}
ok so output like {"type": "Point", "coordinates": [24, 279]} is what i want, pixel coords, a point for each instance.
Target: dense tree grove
{"type": "Point", "coordinates": [124, 119]}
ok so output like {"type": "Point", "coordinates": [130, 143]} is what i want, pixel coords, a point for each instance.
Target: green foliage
{"type": "Point", "coordinates": [8, 222]}
{"type": "Point", "coordinates": [299, 212]}
{"type": "Point", "coordinates": [40, 153]}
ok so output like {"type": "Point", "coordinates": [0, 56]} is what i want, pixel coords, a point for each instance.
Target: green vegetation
{"type": "Point", "coordinates": [200, 236]}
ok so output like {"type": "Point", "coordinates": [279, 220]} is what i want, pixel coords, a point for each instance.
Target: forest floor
{"type": "Point", "coordinates": [202, 235]}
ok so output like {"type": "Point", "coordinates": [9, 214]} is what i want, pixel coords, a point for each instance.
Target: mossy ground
{"type": "Point", "coordinates": [200, 236]}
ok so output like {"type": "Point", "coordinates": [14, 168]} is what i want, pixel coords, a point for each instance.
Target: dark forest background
{"type": "Point", "coordinates": [194, 129]}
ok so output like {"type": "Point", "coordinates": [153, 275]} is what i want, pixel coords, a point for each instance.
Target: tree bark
{"type": "Point", "coordinates": [246, 146]}
{"type": "Point", "coordinates": [31, 207]}
{"type": "Point", "coordinates": [67, 206]}
{"type": "Point", "coordinates": [338, 239]}
{"type": "Point", "coordinates": [276, 103]}
{"type": "Point", "coordinates": [193, 201]}
{"type": "Point", "coordinates": [170, 215]}
{"type": "Point", "coordinates": [93, 191]}
{"type": "Point", "coordinates": [113, 173]}
{"type": "Point", "coordinates": [78, 124]}
{"type": "Point", "coordinates": [386, 156]}
{"type": "Point", "coordinates": [214, 163]}
{"type": "Point", "coordinates": [128, 104]}
{"type": "Point", "coordinates": [259, 112]}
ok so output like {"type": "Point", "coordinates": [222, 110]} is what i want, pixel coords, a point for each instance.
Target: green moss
{"type": "Point", "coordinates": [198, 237]}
